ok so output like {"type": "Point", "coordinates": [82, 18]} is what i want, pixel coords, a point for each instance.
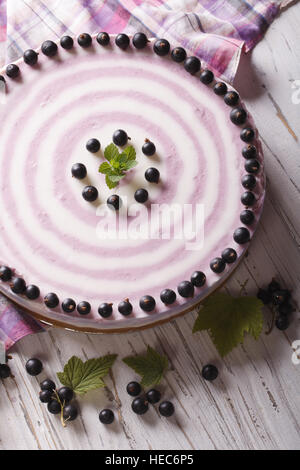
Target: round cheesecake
{"type": "Point", "coordinates": [186, 238]}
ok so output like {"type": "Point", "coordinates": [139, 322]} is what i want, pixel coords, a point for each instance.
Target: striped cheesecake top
{"type": "Point", "coordinates": [51, 237]}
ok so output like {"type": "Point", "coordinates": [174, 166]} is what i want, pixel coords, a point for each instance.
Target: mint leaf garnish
{"type": "Point", "coordinates": [150, 366]}
{"type": "Point", "coordinates": [227, 319]}
{"type": "Point", "coordinates": [117, 164]}
{"type": "Point", "coordinates": [110, 183]}
{"type": "Point", "coordinates": [111, 151]}
{"type": "Point", "coordinates": [82, 377]}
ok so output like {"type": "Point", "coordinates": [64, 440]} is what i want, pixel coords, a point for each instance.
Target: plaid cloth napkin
{"type": "Point", "coordinates": [215, 30]}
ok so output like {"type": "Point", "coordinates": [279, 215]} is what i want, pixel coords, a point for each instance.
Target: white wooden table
{"type": "Point", "coordinates": [255, 402]}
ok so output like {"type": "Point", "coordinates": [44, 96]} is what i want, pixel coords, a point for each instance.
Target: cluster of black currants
{"type": "Point", "coordinates": [140, 404]}
{"type": "Point", "coordinates": [280, 300]}
{"type": "Point", "coordinates": [58, 401]}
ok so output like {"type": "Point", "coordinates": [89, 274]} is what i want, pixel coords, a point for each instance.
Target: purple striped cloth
{"type": "Point", "coordinates": [214, 30]}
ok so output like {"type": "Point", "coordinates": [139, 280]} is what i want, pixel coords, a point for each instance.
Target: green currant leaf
{"type": "Point", "coordinates": [227, 319]}
{"type": "Point", "coordinates": [151, 366]}
{"type": "Point", "coordinates": [82, 377]}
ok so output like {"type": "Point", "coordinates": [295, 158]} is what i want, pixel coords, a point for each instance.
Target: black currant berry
{"type": "Point", "coordinates": [4, 371]}
{"type": "Point", "coordinates": [198, 278]}
{"type": "Point", "coordinates": [285, 308]}
{"type": "Point", "coordinates": [282, 322]}
{"type": "Point", "coordinates": [139, 40]}
{"type": "Point", "coordinates": [49, 48]}
{"type": "Point", "coordinates": [68, 305]}
{"type": "Point", "coordinates": [247, 217]}
{"type": "Point", "coordinates": [141, 195]}
{"type": "Point", "coordinates": [273, 286]}
{"type": "Point", "coordinates": [241, 235]}
{"type": "Point", "coordinates": [12, 71]}
{"type": "Point", "coordinates": [249, 151]}
{"type": "Point", "coordinates": [247, 134]}
{"type": "Point", "coordinates": [18, 285]}
{"type": "Point", "coordinates": [125, 307]}
{"type": "Point", "coordinates": [84, 40]}
{"type": "Point", "coordinates": [248, 198]}
{"type": "Point", "coordinates": [206, 76]}
{"type": "Point", "coordinates": [5, 273]}
{"type": "Point", "coordinates": [67, 42]}
{"type": "Point", "coordinates": [147, 303]}
{"type": "Point", "coordinates": [93, 145]}
{"type": "Point", "coordinates": [114, 202]}
{"type": "Point", "coordinates": [168, 296]}
{"type": "Point", "coordinates": [231, 98]}
{"type": "Point", "coordinates": [106, 416]}
{"type": "Point", "coordinates": [153, 396]}
{"type": "Point", "coordinates": [122, 41]}
{"type": "Point", "coordinates": [51, 300]}
{"type": "Point", "coordinates": [90, 193]}
{"type": "Point", "coordinates": [65, 394]}
{"type": "Point", "coordinates": [32, 292]}
{"type": "Point", "coordinates": [229, 255]}
{"type": "Point", "coordinates": [238, 116]}
{"type": "Point", "coordinates": [161, 47]}
{"type": "Point", "coordinates": [220, 88]}
{"type": "Point", "coordinates": [178, 54]}
{"type": "Point", "coordinates": [192, 65]}
{"type": "Point", "coordinates": [210, 372]}
{"type": "Point", "coordinates": [84, 308]}
{"type": "Point", "coordinates": [70, 412]}
{"type": "Point", "coordinates": [47, 384]}
{"type": "Point", "coordinates": [152, 175]}
{"type": "Point", "coordinates": [54, 407]}
{"type": "Point", "coordinates": [79, 171]}
{"type": "Point", "coordinates": [252, 166]}
{"type": "Point", "coordinates": [30, 57]}
{"type": "Point", "coordinates": [249, 182]}
{"type": "Point", "coordinates": [166, 409]}
{"type": "Point", "coordinates": [120, 138]}
{"type": "Point", "coordinates": [133, 389]}
{"type": "Point", "coordinates": [34, 366]}
{"type": "Point", "coordinates": [103, 38]}
{"type": "Point", "coordinates": [185, 289]}
{"type": "Point", "coordinates": [279, 297]}
{"type": "Point", "coordinates": [105, 310]}
{"type": "Point", "coordinates": [264, 296]}
{"type": "Point", "coordinates": [148, 148]}
{"type": "Point", "coordinates": [45, 396]}
{"type": "Point", "coordinates": [217, 265]}
{"type": "Point", "coordinates": [139, 406]}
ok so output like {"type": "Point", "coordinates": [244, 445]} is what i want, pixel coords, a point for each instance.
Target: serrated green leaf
{"type": "Point", "coordinates": [111, 151]}
{"type": "Point", "coordinates": [116, 178]}
{"type": "Point", "coordinates": [110, 183]}
{"type": "Point", "coordinates": [228, 319]}
{"type": "Point", "coordinates": [104, 168]}
{"type": "Point", "coordinates": [117, 164]}
{"type": "Point", "coordinates": [131, 164]}
{"type": "Point", "coordinates": [130, 152]}
{"type": "Point", "coordinates": [150, 366]}
{"type": "Point", "coordinates": [82, 377]}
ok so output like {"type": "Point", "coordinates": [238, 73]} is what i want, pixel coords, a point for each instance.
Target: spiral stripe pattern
{"type": "Point", "coordinates": [50, 235]}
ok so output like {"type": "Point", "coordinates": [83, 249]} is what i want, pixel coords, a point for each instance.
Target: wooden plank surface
{"type": "Point", "coordinates": [255, 402]}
